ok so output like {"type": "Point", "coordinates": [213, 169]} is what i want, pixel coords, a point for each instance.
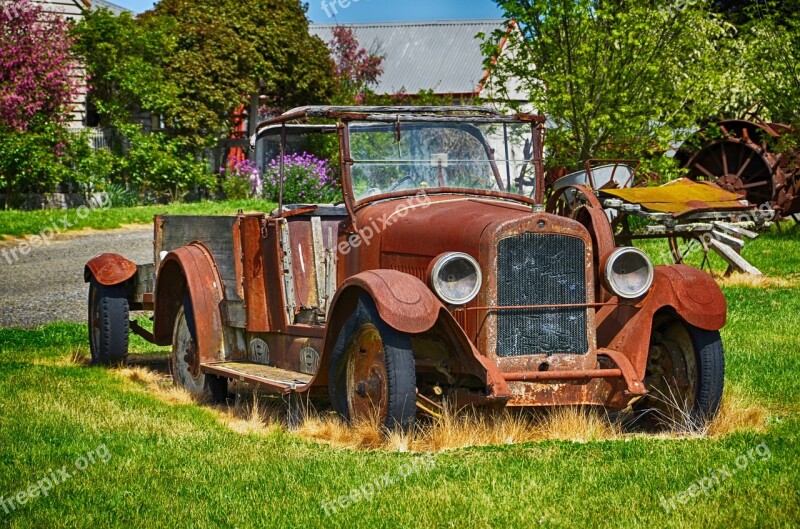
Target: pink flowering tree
{"type": "Point", "coordinates": [36, 66]}
{"type": "Point", "coordinates": [356, 69]}
{"type": "Point", "coordinates": [37, 86]}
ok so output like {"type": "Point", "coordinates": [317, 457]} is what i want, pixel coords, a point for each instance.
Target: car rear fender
{"type": "Point", "coordinates": [190, 273]}
{"type": "Point", "coordinates": [109, 269]}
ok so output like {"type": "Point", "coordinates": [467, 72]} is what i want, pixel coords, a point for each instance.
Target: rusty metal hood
{"type": "Point", "coordinates": [429, 226]}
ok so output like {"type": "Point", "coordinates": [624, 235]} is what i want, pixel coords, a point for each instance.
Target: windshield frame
{"type": "Point", "coordinates": [462, 123]}
{"type": "Point", "coordinates": [341, 117]}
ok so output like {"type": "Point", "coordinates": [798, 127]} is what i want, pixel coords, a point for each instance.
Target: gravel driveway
{"type": "Point", "coordinates": [46, 285]}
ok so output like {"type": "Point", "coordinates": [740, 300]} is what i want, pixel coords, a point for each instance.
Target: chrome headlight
{"type": "Point", "coordinates": [456, 278]}
{"type": "Point", "coordinates": [628, 272]}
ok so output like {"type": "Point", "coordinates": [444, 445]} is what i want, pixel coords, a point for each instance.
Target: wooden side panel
{"type": "Point", "coordinates": [216, 232]}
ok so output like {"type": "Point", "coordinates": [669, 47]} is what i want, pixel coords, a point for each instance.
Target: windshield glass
{"type": "Point", "coordinates": [428, 156]}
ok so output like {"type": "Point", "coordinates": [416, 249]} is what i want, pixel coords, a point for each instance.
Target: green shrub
{"type": "Point", "coordinates": [158, 164]}
{"type": "Point", "coordinates": [34, 161]}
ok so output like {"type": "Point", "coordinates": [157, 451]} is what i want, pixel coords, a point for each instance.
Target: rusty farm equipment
{"type": "Point", "coordinates": [693, 216]}
{"type": "Point", "coordinates": [750, 158]}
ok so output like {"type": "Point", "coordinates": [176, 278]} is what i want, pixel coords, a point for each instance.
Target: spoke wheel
{"type": "Point", "coordinates": [684, 248]}
{"type": "Point", "coordinates": [738, 165]}
{"type": "Point", "coordinates": [566, 202]}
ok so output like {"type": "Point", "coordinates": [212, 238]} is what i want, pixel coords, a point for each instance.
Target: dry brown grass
{"type": "Point", "coordinates": [250, 416]}
{"type": "Point", "coordinates": [466, 428]}
{"type": "Point", "coordinates": [747, 280]}
{"type": "Point", "coordinates": [737, 413]}
{"type": "Point", "coordinates": [263, 415]}
{"type": "Point", "coordinates": [158, 384]}
{"type": "Point", "coordinates": [76, 357]}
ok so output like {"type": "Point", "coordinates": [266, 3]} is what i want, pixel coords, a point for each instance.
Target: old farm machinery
{"type": "Point", "coordinates": [695, 217]}
{"type": "Point", "coordinates": [750, 158]}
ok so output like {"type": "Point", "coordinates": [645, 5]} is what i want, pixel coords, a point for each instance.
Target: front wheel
{"type": "Point", "coordinates": [185, 364]}
{"type": "Point", "coordinates": [685, 375]}
{"type": "Point", "coordinates": [372, 372]}
{"type": "Point", "coordinates": [108, 323]}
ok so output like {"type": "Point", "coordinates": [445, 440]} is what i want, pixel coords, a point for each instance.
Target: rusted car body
{"type": "Point", "coordinates": [424, 284]}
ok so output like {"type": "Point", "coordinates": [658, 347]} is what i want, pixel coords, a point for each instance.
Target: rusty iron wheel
{"type": "Point", "coordinates": [738, 165]}
{"type": "Point", "coordinates": [568, 201]}
{"type": "Point", "coordinates": [185, 364]}
{"type": "Point", "coordinates": [108, 323]}
{"type": "Point", "coordinates": [373, 376]}
{"type": "Point", "coordinates": [682, 248]}
{"type": "Point", "coordinates": [684, 377]}
{"type": "Point", "coordinates": [367, 379]}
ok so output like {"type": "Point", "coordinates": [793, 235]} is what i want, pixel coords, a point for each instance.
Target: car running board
{"type": "Point", "coordinates": [272, 378]}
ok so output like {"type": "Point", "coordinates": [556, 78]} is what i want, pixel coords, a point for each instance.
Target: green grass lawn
{"type": "Point", "coordinates": [15, 223]}
{"type": "Point", "coordinates": [179, 465]}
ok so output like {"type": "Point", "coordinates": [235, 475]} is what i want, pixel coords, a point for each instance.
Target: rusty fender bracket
{"type": "Point", "coordinates": [109, 269]}
{"type": "Point", "coordinates": [691, 294]}
{"type": "Point", "coordinates": [190, 273]}
{"type": "Point", "coordinates": [406, 304]}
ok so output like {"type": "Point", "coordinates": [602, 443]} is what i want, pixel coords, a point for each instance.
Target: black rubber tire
{"type": "Point", "coordinates": [108, 324]}
{"type": "Point", "coordinates": [711, 372]}
{"type": "Point", "coordinates": [400, 368]}
{"type": "Point", "coordinates": [709, 384]}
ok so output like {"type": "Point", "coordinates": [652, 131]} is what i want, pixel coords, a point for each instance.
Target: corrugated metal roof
{"type": "Point", "coordinates": [443, 56]}
{"type": "Point", "coordinates": [114, 8]}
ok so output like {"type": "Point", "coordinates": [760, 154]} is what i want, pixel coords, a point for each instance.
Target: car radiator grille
{"type": "Point", "coordinates": [541, 269]}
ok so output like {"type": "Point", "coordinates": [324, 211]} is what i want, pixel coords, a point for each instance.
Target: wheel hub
{"type": "Point", "coordinates": [367, 387]}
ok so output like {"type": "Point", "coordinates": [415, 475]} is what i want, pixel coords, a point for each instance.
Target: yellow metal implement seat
{"type": "Point", "coordinates": [681, 197]}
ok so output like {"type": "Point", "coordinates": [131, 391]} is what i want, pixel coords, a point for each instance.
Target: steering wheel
{"type": "Point", "coordinates": [406, 178]}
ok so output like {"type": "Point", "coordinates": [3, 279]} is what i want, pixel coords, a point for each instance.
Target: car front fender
{"type": "Point", "coordinates": [403, 301]}
{"type": "Point", "coordinates": [691, 294]}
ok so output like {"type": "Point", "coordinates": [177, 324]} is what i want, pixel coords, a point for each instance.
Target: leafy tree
{"type": "Point", "coordinates": [36, 65]}
{"type": "Point", "coordinates": [126, 61]}
{"type": "Point", "coordinates": [616, 78]}
{"type": "Point", "coordinates": [767, 53]}
{"type": "Point", "coordinates": [192, 63]}
{"type": "Point", "coordinates": [741, 12]}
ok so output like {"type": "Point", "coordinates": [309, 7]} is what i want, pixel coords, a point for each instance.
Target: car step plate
{"type": "Point", "coordinates": [274, 378]}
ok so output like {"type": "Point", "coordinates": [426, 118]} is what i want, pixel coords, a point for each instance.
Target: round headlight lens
{"type": "Point", "coordinates": [629, 272]}
{"type": "Point", "coordinates": [456, 278]}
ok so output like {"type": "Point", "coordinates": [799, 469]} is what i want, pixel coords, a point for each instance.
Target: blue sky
{"type": "Point", "coordinates": [378, 10]}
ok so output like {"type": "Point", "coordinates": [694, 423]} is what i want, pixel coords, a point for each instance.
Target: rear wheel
{"type": "Point", "coordinates": [108, 323]}
{"type": "Point", "coordinates": [373, 375]}
{"type": "Point", "coordinates": [685, 375]}
{"type": "Point", "coordinates": [185, 363]}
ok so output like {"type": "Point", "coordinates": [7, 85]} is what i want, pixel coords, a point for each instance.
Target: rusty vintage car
{"type": "Point", "coordinates": [437, 276]}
